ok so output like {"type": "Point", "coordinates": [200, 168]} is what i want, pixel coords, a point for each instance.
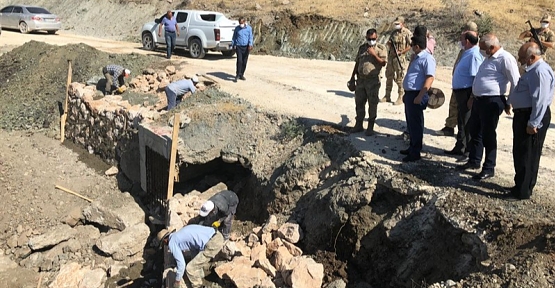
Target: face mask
{"type": "Point", "coordinates": [243, 25]}
{"type": "Point", "coordinates": [461, 46]}
{"type": "Point", "coordinates": [545, 25]}
{"type": "Point", "coordinates": [398, 26]}
{"type": "Point", "coordinates": [371, 42]}
{"type": "Point", "coordinates": [483, 52]}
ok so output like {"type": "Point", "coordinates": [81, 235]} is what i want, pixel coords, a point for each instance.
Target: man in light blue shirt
{"type": "Point", "coordinates": [463, 77]}
{"type": "Point", "coordinates": [242, 43]}
{"type": "Point", "coordinates": [176, 90]}
{"type": "Point", "coordinates": [202, 242]}
{"type": "Point", "coordinates": [170, 30]}
{"type": "Point", "coordinates": [530, 100]}
{"type": "Point", "coordinates": [417, 82]}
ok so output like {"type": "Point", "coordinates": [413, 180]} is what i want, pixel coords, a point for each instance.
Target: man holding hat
{"type": "Point", "coordinates": [115, 77]}
{"type": "Point", "coordinates": [176, 90]}
{"type": "Point", "coordinates": [219, 211]}
{"type": "Point", "coordinates": [417, 83]}
{"type": "Point", "coordinates": [451, 120]}
{"type": "Point", "coordinates": [463, 77]}
{"type": "Point", "coordinates": [546, 35]}
{"type": "Point", "coordinates": [203, 242]}
{"type": "Point", "coordinates": [394, 70]}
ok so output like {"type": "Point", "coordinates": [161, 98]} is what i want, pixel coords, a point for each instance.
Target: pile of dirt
{"type": "Point", "coordinates": [34, 75]}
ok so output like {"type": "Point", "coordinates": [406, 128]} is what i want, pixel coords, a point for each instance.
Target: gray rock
{"type": "Point", "coordinates": [337, 284]}
{"type": "Point", "coordinates": [117, 212]}
{"type": "Point", "coordinates": [129, 242]}
{"type": "Point", "coordinates": [52, 237]}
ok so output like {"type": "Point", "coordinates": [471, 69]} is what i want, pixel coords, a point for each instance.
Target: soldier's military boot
{"type": "Point", "coordinates": [399, 100]}
{"type": "Point", "coordinates": [386, 98]}
{"type": "Point", "coordinates": [369, 132]}
{"type": "Point", "coordinates": [357, 128]}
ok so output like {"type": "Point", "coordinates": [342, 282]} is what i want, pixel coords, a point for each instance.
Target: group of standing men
{"type": "Point", "coordinates": [486, 81]}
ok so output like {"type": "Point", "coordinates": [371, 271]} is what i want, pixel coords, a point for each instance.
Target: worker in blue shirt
{"type": "Point", "coordinates": [203, 243]}
{"type": "Point", "coordinates": [242, 42]}
{"type": "Point", "coordinates": [176, 90]}
{"type": "Point", "coordinates": [530, 100]}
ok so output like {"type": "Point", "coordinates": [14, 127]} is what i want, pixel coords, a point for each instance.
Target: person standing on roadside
{"type": "Point", "coordinates": [370, 59]}
{"type": "Point", "coordinates": [242, 43]}
{"type": "Point", "coordinates": [488, 102]}
{"type": "Point", "coordinates": [530, 100]}
{"type": "Point", "coordinates": [451, 120]}
{"type": "Point", "coordinates": [170, 30]}
{"type": "Point", "coordinates": [394, 70]}
{"type": "Point", "coordinates": [463, 77]}
{"type": "Point", "coordinates": [417, 82]}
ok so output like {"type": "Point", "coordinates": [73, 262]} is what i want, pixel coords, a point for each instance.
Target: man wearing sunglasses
{"type": "Point", "coordinates": [370, 59]}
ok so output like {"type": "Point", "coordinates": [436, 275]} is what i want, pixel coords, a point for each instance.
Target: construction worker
{"type": "Point", "coordinates": [394, 70]}
{"type": "Point", "coordinates": [203, 243]}
{"type": "Point", "coordinates": [175, 90]}
{"type": "Point", "coordinates": [219, 211]}
{"type": "Point", "coordinates": [115, 77]}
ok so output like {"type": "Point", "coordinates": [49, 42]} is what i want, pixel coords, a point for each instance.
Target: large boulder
{"type": "Point", "coordinates": [241, 273]}
{"type": "Point", "coordinates": [126, 243]}
{"type": "Point", "coordinates": [70, 276]}
{"type": "Point", "coordinates": [52, 237]}
{"type": "Point", "coordinates": [307, 273]}
{"type": "Point", "coordinates": [118, 211]}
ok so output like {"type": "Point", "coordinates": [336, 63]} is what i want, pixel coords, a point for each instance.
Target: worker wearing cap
{"type": "Point", "coordinates": [203, 243]}
{"type": "Point", "coordinates": [452, 119]}
{"type": "Point", "coordinates": [546, 35]}
{"type": "Point", "coordinates": [219, 211]}
{"type": "Point", "coordinates": [395, 70]}
{"type": "Point", "coordinates": [176, 90]}
{"type": "Point", "coordinates": [115, 77]}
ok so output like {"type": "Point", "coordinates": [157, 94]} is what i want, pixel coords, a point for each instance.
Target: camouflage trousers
{"type": "Point", "coordinates": [394, 72]}
{"type": "Point", "coordinates": [195, 268]}
{"type": "Point", "coordinates": [451, 120]}
{"type": "Point", "coordinates": [367, 90]}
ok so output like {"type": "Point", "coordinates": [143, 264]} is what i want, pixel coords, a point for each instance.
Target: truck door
{"type": "Point", "coordinates": [183, 27]}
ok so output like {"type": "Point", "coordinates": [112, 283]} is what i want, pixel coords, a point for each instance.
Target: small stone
{"type": "Point", "coordinates": [112, 171]}
{"type": "Point", "coordinates": [12, 241]}
{"type": "Point", "coordinates": [365, 15]}
{"type": "Point", "coordinates": [450, 283]}
{"type": "Point", "coordinates": [252, 239]}
{"type": "Point", "coordinates": [170, 70]}
{"type": "Point", "coordinates": [331, 57]}
{"type": "Point", "coordinates": [257, 6]}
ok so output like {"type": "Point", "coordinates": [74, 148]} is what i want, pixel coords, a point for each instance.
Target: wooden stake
{"type": "Point", "coordinates": [40, 280]}
{"type": "Point", "coordinates": [64, 116]}
{"type": "Point", "coordinates": [74, 193]}
{"type": "Point", "coordinates": [173, 155]}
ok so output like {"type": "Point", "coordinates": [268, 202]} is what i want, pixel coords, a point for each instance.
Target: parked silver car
{"type": "Point", "coordinates": [29, 18]}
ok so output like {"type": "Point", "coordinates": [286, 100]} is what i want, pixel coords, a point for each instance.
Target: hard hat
{"type": "Point", "coordinates": [206, 208]}
{"type": "Point", "coordinates": [437, 98]}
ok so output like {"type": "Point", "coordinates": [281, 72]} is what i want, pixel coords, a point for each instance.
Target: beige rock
{"type": "Point", "coordinates": [112, 171]}
{"type": "Point", "coordinates": [73, 217]}
{"type": "Point", "coordinates": [258, 252]}
{"type": "Point", "coordinates": [6, 263]}
{"type": "Point", "coordinates": [294, 250]}
{"type": "Point", "coordinates": [266, 238]}
{"type": "Point", "coordinates": [255, 230]}
{"type": "Point", "coordinates": [93, 279]}
{"type": "Point", "coordinates": [70, 276]}
{"type": "Point", "coordinates": [243, 249]}
{"type": "Point", "coordinates": [281, 258]}
{"type": "Point", "coordinates": [274, 245]}
{"type": "Point", "coordinates": [241, 272]}
{"type": "Point", "coordinates": [170, 70]}
{"type": "Point", "coordinates": [161, 76]}
{"type": "Point", "coordinates": [270, 227]}
{"type": "Point", "coordinates": [135, 83]}
{"type": "Point", "coordinates": [163, 84]}
{"type": "Point", "coordinates": [307, 273]}
{"type": "Point", "coordinates": [265, 265]}
{"type": "Point", "coordinates": [252, 239]}
{"type": "Point", "coordinates": [267, 283]}
{"type": "Point", "coordinates": [54, 236]}
{"type": "Point", "coordinates": [290, 232]}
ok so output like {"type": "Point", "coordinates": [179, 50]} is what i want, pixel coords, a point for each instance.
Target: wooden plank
{"type": "Point", "coordinates": [71, 192]}
{"type": "Point", "coordinates": [173, 155]}
{"type": "Point", "coordinates": [64, 116]}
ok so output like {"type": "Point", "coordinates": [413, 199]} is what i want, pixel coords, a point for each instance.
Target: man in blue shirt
{"type": "Point", "coordinates": [170, 29]}
{"type": "Point", "coordinates": [176, 90]}
{"type": "Point", "coordinates": [463, 77]}
{"type": "Point", "coordinates": [417, 82]}
{"type": "Point", "coordinates": [242, 42]}
{"type": "Point", "coordinates": [202, 242]}
{"type": "Point", "coordinates": [530, 100]}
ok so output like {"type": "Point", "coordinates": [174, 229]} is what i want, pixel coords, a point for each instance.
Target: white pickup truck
{"type": "Point", "coordinates": [199, 31]}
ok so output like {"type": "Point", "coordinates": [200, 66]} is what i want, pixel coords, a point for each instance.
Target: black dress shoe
{"type": "Point", "coordinates": [454, 152]}
{"type": "Point", "coordinates": [483, 175]}
{"type": "Point", "coordinates": [468, 165]}
{"type": "Point", "coordinates": [446, 131]}
{"type": "Point", "coordinates": [404, 152]}
{"type": "Point", "coordinates": [411, 159]}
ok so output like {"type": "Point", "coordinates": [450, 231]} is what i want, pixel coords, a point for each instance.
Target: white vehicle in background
{"type": "Point", "coordinates": [200, 31]}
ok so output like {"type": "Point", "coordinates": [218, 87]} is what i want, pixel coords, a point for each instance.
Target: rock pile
{"type": "Point", "coordinates": [266, 257]}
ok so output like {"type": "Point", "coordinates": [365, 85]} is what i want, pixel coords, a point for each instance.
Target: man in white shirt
{"type": "Point", "coordinates": [488, 102]}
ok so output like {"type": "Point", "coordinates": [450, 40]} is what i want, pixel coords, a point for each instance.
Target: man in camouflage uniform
{"type": "Point", "coordinates": [395, 70]}
{"type": "Point", "coordinates": [546, 35]}
{"type": "Point", "coordinates": [370, 59]}
{"type": "Point", "coordinates": [451, 121]}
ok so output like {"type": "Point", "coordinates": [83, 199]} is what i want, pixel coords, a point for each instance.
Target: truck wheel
{"type": "Point", "coordinates": [148, 42]}
{"type": "Point", "coordinates": [229, 53]}
{"type": "Point", "coordinates": [195, 49]}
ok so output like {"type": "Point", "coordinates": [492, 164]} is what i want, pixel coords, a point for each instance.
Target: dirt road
{"type": "Point", "coordinates": [317, 89]}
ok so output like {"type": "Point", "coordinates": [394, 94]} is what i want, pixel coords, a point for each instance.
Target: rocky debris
{"type": "Point", "coordinates": [112, 171]}
{"type": "Point", "coordinates": [6, 263]}
{"type": "Point", "coordinates": [126, 243]}
{"type": "Point", "coordinates": [93, 279]}
{"type": "Point", "coordinates": [339, 283]}
{"type": "Point", "coordinates": [290, 232]}
{"type": "Point", "coordinates": [307, 273]}
{"type": "Point", "coordinates": [154, 82]}
{"type": "Point", "coordinates": [74, 216]}
{"type": "Point", "coordinates": [115, 211]}
{"type": "Point", "coordinates": [54, 236]}
{"type": "Point", "coordinates": [70, 276]}
{"type": "Point", "coordinates": [115, 269]}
